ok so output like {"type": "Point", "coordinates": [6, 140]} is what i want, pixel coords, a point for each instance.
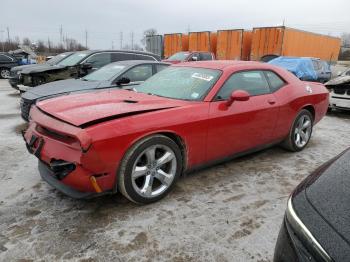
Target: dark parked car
{"type": "Point", "coordinates": [78, 65]}
{"type": "Point", "coordinates": [114, 75]}
{"type": "Point", "coordinates": [316, 226]}
{"type": "Point", "coordinates": [16, 71]}
{"type": "Point", "coordinates": [189, 56]}
{"type": "Point", "coordinates": [305, 68]}
{"type": "Point", "coordinates": [7, 61]}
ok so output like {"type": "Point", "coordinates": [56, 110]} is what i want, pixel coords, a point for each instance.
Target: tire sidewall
{"type": "Point", "coordinates": [292, 131]}
{"type": "Point", "coordinates": [125, 171]}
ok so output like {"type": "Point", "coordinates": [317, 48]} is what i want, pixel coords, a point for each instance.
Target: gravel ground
{"type": "Point", "coordinates": [229, 212]}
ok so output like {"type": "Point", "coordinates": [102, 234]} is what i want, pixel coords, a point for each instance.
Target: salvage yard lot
{"type": "Point", "coordinates": [229, 212]}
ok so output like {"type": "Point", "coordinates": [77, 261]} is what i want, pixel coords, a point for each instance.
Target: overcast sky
{"type": "Point", "coordinates": [105, 19]}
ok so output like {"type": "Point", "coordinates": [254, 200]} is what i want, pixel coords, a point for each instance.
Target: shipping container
{"type": "Point", "coordinates": [202, 41]}
{"type": "Point", "coordinates": [233, 44]}
{"type": "Point", "coordinates": [174, 43]}
{"type": "Point", "coordinates": [154, 44]}
{"type": "Point", "coordinates": [284, 41]}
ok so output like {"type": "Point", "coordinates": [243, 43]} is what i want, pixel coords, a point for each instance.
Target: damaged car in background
{"type": "Point", "coordinates": [187, 116]}
{"type": "Point", "coordinates": [78, 65]}
{"type": "Point", "coordinates": [339, 88]}
{"type": "Point", "coordinates": [15, 74]}
{"type": "Point", "coordinates": [122, 74]}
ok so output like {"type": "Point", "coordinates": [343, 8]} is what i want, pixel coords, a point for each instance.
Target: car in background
{"type": "Point", "coordinates": [188, 56]}
{"type": "Point", "coordinates": [122, 74]}
{"type": "Point", "coordinates": [305, 68]}
{"type": "Point", "coordinates": [316, 225]}
{"type": "Point", "coordinates": [16, 71]}
{"type": "Point", "coordinates": [78, 65]}
{"type": "Point", "coordinates": [139, 141]}
{"type": "Point", "coordinates": [339, 89]}
{"type": "Point", "coordinates": [7, 61]}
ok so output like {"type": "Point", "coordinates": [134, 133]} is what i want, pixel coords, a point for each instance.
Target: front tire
{"type": "Point", "coordinates": [300, 133]}
{"type": "Point", "coordinates": [150, 169]}
{"type": "Point", "coordinates": [4, 73]}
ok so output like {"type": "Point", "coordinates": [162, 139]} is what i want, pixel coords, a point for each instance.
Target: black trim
{"type": "Point", "coordinates": [48, 176]}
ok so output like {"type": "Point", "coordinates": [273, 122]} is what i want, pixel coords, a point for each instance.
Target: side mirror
{"type": "Point", "coordinates": [123, 81]}
{"type": "Point", "coordinates": [238, 95]}
{"type": "Point", "coordinates": [86, 66]}
{"type": "Point", "coordinates": [194, 58]}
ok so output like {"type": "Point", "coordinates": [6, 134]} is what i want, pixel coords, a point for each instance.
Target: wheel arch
{"type": "Point", "coordinates": [311, 109]}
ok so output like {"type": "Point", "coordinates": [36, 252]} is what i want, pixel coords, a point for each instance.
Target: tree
{"type": "Point", "coordinates": [345, 39]}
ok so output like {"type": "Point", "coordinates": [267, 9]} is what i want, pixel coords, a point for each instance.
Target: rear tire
{"type": "Point", "coordinates": [149, 169]}
{"type": "Point", "coordinates": [300, 132]}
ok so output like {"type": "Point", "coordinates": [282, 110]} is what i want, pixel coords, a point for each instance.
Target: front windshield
{"type": "Point", "coordinates": [73, 59]}
{"type": "Point", "coordinates": [105, 73]}
{"type": "Point", "coordinates": [181, 56]}
{"type": "Point", "coordinates": [58, 58]}
{"type": "Point", "coordinates": [185, 83]}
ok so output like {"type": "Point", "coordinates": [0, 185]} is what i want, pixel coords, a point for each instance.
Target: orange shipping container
{"type": "Point", "coordinates": [284, 41]}
{"type": "Point", "coordinates": [202, 41]}
{"type": "Point", "coordinates": [233, 44]}
{"type": "Point", "coordinates": [174, 43]}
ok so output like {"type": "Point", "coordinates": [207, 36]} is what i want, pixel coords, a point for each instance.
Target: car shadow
{"type": "Point", "coordinates": [339, 113]}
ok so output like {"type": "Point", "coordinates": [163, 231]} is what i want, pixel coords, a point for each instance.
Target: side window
{"type": "Point", "coordinates": [275, 81]}
{"type": "Point", "coordinates": [99, 60]}
{"type": "Point", "coordinates": [205, 56]}
{"type": "Point", "coordinates": [254, 82]}
{"type": "Point", "coordinates": [4, 58]}
{"type": "Point", "coordinates": [139, 73]}
{"type": "Point", "coordinates": [194, 57]}
{"type": "Point", "coordinates": [160, 67]}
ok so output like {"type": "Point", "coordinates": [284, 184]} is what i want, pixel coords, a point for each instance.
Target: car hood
{"type": "Point", "coordinates": [22, 67]}
{"type": "Point", "coordinates": [340, 80]}
{"type": "Point", "coordinates": [62, 87]}
{"type": "Point", "coordinates": [329, 194]}
{"type": "Point", "coordinates": [43, 68]}
{"type": "Point", "coordinates": [91, 108]}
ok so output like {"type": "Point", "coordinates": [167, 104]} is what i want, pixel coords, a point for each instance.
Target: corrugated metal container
{"type": "Point", "coordinates": [284, 41]}
{"type": "Point", "coordinates": [154, 44]}
{"type": "Point", "coordinates": [229, 44]}
{"type": "Point", "coordinates": [174, 43]}
{"type": "Point", "coordinates": [247, 45]}
{"type": "Point", "coordinates": [202, 41]}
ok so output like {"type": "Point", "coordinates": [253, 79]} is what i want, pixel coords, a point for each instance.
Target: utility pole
{"type": "Point", "coordinates": [132, 40]}
{"type": "Point", "coordinates": [121, 40]}
{"type": "Point", "coordinates": [2, 40]}
{"type": "Point", "coordinates": [49, 44]}
{"type": "Point", "coordinates": [8, 34]}
{"type": "Point", "coordinates": [112, 45]}
{"type": "Point", "coordinates": [61, 34]}
{"type": "Point", "coordinates": [86, 39]}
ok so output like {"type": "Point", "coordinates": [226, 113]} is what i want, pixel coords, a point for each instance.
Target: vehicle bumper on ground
{"type": "Point", "coordinates": [340, 101]}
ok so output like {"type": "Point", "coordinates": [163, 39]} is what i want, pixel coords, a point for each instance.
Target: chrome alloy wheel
{"type": "Point", "coordinates": [302, 131]}
{"type": "Point", "coordinates": [5, 73]}
{"type": "Point", "coordinates": [154, 171]}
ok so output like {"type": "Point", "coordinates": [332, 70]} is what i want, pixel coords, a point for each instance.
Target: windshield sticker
{"type": "Point", "coordinates": [204, 77]}
{"type": "Point", "coordinates": [194, 95]}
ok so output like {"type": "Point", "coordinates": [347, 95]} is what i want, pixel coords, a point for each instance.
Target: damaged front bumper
{"type": "Point", "coordinates": [70, 165]}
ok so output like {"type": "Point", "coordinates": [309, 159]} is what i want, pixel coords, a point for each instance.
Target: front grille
{"type": "Point", "coordinates": [25, 108]}
{"type": "Point", "coordinates": [339, 91]}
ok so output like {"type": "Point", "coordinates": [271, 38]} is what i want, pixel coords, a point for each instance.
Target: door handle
{"type": "Point", "coordinates": [271, 101]}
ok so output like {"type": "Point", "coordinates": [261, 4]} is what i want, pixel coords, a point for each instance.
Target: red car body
{"type": "Point", "coordinates": [95, 130]}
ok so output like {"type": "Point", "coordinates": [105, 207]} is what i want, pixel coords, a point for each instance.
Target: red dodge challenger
{"type": "Point", "coordinates": [187, 116]}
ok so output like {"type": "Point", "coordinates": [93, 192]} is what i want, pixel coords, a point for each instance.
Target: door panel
{"type": "Point", "coordinates": [242, 126]}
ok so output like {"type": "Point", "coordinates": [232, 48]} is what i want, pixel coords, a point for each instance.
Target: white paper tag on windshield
{"type": "Point", "coordinates": [202, 76]}
{"type": "Point", "coordinates": [195, 95]}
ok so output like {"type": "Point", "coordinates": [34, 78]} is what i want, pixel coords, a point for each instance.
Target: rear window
{"type": "Point", "coordinates": [275, 81]}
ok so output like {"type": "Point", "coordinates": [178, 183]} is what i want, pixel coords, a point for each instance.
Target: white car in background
{"type": "Point", "coordinates": [339, 88]}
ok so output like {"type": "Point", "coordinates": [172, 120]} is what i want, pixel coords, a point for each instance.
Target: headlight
{"type": "Point", "coordinates": [303, 232]}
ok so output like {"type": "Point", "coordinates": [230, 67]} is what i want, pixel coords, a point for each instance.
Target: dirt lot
{"type": "Point", "coordinates": [230, 212]}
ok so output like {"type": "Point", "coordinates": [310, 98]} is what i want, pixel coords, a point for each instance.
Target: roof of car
{"type": "Point", "coordinates": [137, 62]}
{"type": "Point", "coordinates": [220, 64]}
{"type": "Point", "coordinates": [121, 51]}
